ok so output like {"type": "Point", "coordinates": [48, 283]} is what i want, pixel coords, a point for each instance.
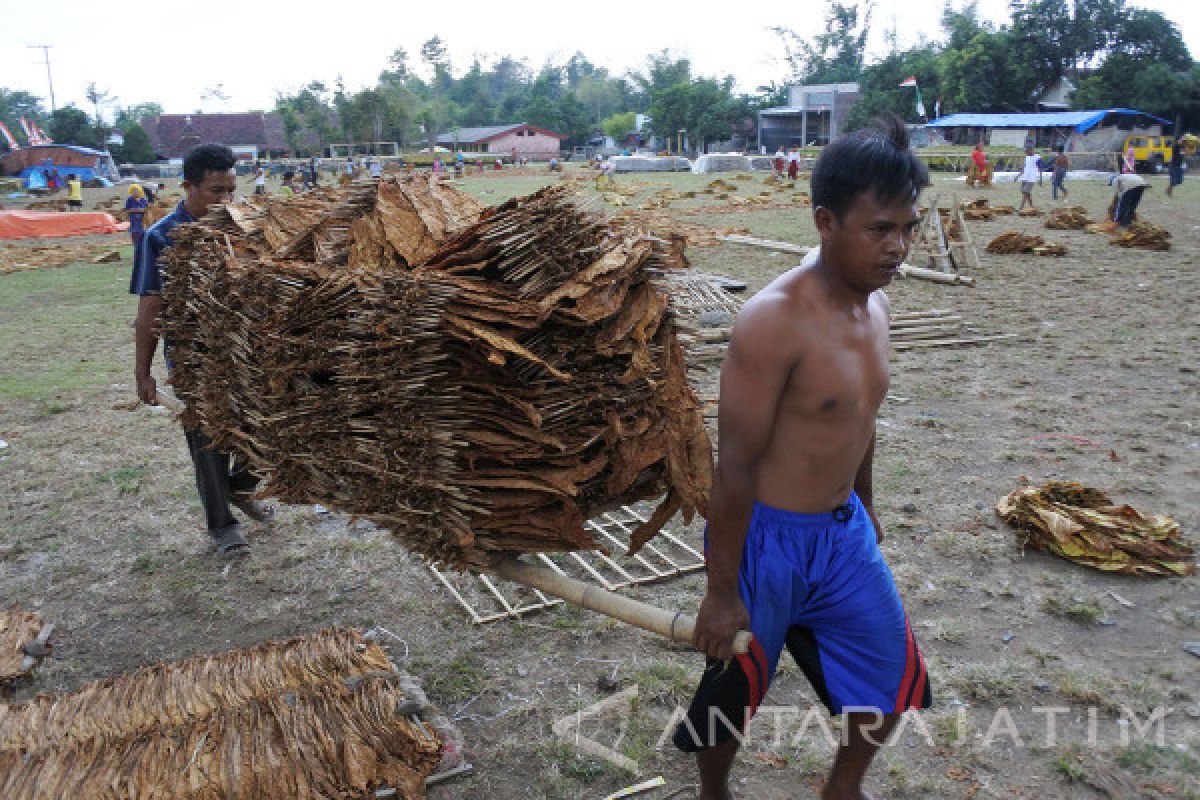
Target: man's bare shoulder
{"type": "Point", "coordinates": [879, 301]}
{"type": "Point", "coordinates": [773, 319]}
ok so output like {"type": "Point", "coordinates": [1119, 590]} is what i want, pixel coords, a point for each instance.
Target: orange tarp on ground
{"type": "Point", "coordinates": [50, 224]}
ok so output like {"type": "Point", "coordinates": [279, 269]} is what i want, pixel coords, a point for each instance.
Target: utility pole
{"type": "Point", "coordinates": [45, 48]}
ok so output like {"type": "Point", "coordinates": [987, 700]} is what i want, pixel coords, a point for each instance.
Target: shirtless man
{"type": "Point", "coordinates": [793, 540]}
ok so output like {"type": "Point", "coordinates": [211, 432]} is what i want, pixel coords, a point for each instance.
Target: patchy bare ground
{"type": "Point", "coordinates": [100, 532]}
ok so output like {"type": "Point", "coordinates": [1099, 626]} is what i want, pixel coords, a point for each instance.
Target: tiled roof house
{"type": "Point", "coordinates": [252, 134]}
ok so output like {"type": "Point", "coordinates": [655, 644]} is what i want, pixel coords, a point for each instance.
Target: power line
{"type": "Point", "coordinates": [45, 48]}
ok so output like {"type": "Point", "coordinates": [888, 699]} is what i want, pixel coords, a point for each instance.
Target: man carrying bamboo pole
{"type": "Point", "coordinates": [208, 180]}
{"type": "Point", "coordinates": [793, 540]}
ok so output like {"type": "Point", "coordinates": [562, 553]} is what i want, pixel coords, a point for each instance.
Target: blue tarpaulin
{"type": "Point", "coordinates": [1080, 121]}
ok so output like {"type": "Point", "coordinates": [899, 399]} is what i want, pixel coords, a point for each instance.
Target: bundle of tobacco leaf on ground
{"type": "Point", "coordinates": [1068, 218]}
{"type": "Point", "coordinates": [1081, 524]}
{"type": "Point", "coordinates": [478, 381]}
{"type": "Point", "coordinates": [17, 629]}
{"type": "Point", "coordinates": [320, 716]}
{"type": "Point", "coordinates": [1144, 236]}
{"type": "Point", "coordinates": [1014, 242]}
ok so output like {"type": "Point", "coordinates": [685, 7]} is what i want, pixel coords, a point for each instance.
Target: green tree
{"type": "Point", "coordinates": [136, 149]}
{"type": "Point", "coordinates": [292, 126]}
{"type": "Point", "coordinates": [97, 97]}
{"type": "Point", "coordinates": [434, 53]}
{"type": "Point", "coordinates": [69, 125]}
{"type": "Point", "coordinates": [879, 85]}
{"type": "Point", "coordinates": [703, 107]}
{"type": "Point", "coordinates": [126, 118]}
{"type": "Point", "coordinates": [836, 54]}
{"type": "Point", "coordinates": [617, 125]}
{"type": "Point", "coordinates": [17, 104]}
{"type": "Point", "coordinates": [1148, 67]}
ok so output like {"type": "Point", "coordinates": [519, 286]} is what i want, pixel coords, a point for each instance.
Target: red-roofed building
{"type": "Point", "coordinates": [251, 135]}
{"type": "Point", "coordinates": [516, 140]}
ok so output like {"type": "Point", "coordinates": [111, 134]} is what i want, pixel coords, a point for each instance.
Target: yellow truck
{"type": "Point", "coordinates": [1150, 153]}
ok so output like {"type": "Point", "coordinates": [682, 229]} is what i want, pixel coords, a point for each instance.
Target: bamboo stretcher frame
{"type": "Point", "coordinates": [663, 558]}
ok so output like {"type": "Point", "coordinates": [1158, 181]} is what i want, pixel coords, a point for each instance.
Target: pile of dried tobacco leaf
{"type": "Point", "coordinates": [314, 717]}
{"type": "Point", "coordinates": [1082, 525]}
{"type": "Point", "coordinates": [478, 381]}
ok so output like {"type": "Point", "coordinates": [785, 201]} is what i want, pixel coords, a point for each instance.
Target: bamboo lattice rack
{"type": "Point", "coordinates": [667, 556]}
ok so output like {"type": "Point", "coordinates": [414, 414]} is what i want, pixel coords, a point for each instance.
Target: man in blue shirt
{"type": "Point", "coordinates": [208, 180]}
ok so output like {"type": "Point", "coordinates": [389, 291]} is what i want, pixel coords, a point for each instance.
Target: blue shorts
{"type": "Point", "coordinates": [817, 584]}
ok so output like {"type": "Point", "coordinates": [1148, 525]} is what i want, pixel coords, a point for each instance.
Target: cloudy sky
{"type": "Point", "coordinates": [177, 53]}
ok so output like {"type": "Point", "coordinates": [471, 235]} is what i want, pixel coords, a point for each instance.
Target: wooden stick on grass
{"type": "Point", "coordinates": [676, 626]}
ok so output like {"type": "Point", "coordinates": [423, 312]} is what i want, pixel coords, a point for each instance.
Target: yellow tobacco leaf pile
{"type": "Point", "coordinates": [1013, 242]}
{"type": "Point", "coordinates": [1081, 524]}
{"type": "Point", "coordinates": [1144, 236]}
{"type": "Point", "coordinates": [1069, 218]}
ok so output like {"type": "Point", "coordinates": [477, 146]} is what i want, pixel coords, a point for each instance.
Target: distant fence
{"type": "Point", "coordinates": [959, 161]}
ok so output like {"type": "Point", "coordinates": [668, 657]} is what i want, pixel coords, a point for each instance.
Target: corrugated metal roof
{"type": "Point", "coordinates": [1081, 121]}
{"type": "Point", "coordinates": [474, 135]}
{"type": "Point", "coordinates": [489, 132]}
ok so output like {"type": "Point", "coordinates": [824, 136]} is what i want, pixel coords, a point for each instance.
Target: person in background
{"type": "Point", "coordinates": [793, 164]}
{"type": "Point", "coordinates": [1058, 182]}
{"type": "Point", "coordinates": [74, 192]}
{"type": "Point", "coordinates": [260, 181]}
{"type": "Point", "coordinates": [1028, 175]}
{"type": "Point", "coordinates": [208, 181]}
{"type": "Point", "coordinates": [1129, 188]}
{"type": "Point", "coordinates": [288, 189]}
{"type": "Point", "coordinates": [376, 168]}
{"type": "Point", "coordinates": [136, 205]}
{"type": "Point", "coordinates": [1175, 168]}
{"type": "Point", "coordinates": [979, 173]}
{"type": "Point", "coordinates": [1130, 164]}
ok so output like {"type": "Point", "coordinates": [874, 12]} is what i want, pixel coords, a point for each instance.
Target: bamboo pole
{"type": "Point", "coordinates": [169, 401]}
{"type": "Point", "coordinates": [906, 270]}
{"type": "Point", "coordinates": [936, 332]}
{"type": "Point", "coordinates": [676, 626]}
{"type": "Point", "coordinates": [921, 273]}
{"type": "Point", "coordinates": [948, 342]}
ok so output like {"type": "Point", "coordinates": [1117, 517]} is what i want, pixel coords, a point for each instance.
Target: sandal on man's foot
{"type": "Point", "coordinates": [230, 541]}
{"type": "Point", "coordinates": [254, 509]}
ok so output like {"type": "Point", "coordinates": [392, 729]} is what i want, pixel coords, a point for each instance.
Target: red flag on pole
{"type": "Point", "coordinates": [8, 137]}
{"type": "Point", "coordinates": [30, 136]}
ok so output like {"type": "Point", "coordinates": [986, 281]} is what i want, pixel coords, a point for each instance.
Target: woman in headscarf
{"type": "Point", "coordinates": [135, 206]}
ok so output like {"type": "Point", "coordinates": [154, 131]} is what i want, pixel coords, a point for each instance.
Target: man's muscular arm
{"type": "Point", "coordinates": [145, 343]}
{"type": "Point", "coordinates": [865, 490]}
{"type": "Point", "coordinates": [863, 479]}
{"type": "Point", "coordinates": [753, 377]}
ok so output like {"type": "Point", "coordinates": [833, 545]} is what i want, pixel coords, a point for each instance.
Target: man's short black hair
{"type": "Point", "coordinates": [874, 158]}
{"type": "Point", "coordinates": [206, 158]}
